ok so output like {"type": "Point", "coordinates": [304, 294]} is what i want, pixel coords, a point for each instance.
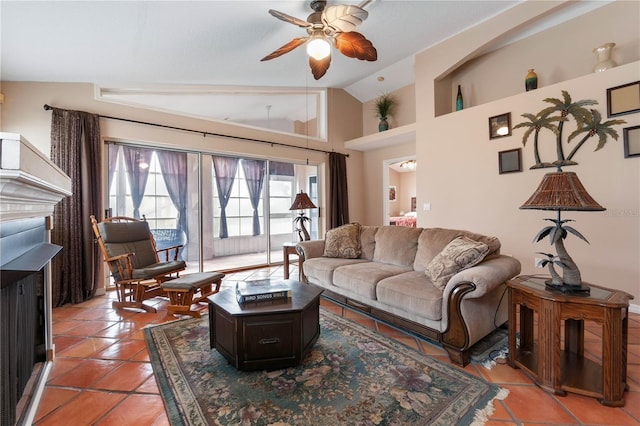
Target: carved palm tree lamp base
{"type": "Point", "coordinates": [302, 202]}
{"type": "Point", "coordinates": [567, 288]}
{"type": "Point", "coordinates": [561, 191]}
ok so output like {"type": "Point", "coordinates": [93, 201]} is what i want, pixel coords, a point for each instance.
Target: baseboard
{"type": "Point", "coordinates": [634, 309]}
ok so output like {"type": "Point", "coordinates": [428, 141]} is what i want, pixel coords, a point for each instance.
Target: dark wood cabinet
{"type": "Point", "coordinates": [541, 318]}
{"type": "Point", "coordinates": [265, 335]}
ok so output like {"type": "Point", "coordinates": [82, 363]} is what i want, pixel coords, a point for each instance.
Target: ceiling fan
{"type": "Point", "coordinates": [334, 25]}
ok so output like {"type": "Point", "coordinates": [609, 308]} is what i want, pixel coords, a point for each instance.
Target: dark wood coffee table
{"type": "Point", "coordinates": [265, 335]}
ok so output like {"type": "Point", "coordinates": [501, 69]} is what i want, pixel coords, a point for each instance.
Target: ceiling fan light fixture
{"type": "Point", "coordinates": [318, 48]}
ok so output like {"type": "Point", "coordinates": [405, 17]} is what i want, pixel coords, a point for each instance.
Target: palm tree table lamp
{"type": "Point", "coordinates": [301, 203]}
{"type": "Point", "coordinates": [561, 191]}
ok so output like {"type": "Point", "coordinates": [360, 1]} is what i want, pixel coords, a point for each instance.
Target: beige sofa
{"type": "Point", "coordinates": [409, 277]}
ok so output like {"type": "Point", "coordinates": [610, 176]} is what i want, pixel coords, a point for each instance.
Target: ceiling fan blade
{"type": "Point", "coordinates": [355, 45]}
{"type": "Point", "coordinates": [290, 19]}
{"type": "Point", "coordinates": [344, 17]}
{"type": "Point", "coordinates": [319, 66]}
{"type": "Point", "coordinates": [286, 48]}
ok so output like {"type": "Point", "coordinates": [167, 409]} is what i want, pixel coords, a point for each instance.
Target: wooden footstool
{"type": "Point", "coordinates": [182, 290]}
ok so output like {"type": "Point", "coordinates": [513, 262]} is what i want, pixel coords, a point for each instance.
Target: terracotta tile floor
{"type": "Point", "coordinates": [102, 375]}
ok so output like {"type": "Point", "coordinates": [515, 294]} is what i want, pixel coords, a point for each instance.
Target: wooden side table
{"type": "Point", "coordinates": [559, 369]}
{"type": "Point", "coordinates": [287, 249]}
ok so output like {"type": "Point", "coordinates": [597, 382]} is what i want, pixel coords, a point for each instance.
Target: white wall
{"type": "Point", "coordinates": [458, 172]}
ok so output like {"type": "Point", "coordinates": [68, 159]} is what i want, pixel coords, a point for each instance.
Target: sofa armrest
{"type": "Point", "coordinates": [486, 276]}
{"type": "Point", "coordinates": [310, 249]}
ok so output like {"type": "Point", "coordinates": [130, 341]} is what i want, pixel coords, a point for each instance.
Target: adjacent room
{"type": "Point", "coordinates": [320, 212]}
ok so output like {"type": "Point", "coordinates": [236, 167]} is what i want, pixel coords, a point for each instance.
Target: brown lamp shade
{"type": "Point", "coordinates": [561, 191]}
{"type": "Point", "coordinates": [302, 202]}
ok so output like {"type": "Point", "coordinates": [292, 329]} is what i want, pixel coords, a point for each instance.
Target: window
{"type": "Point", "coordinates": [260, 190]}
{"type": "Point", "coordinates": [239, 211]}
{"type": "Point", "coordinates": [156, 205]}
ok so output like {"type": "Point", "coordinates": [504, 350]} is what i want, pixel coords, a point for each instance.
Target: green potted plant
{"type": "Point", "coordinates": [384, 106]}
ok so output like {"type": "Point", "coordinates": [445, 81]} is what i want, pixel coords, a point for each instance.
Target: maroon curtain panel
{"type": "Point", "coordinates": [77, 150]}
{"type": "Point", "coordinates": [338, 194]}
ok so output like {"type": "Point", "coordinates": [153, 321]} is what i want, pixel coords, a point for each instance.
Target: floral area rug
{"type": "Point", "coordinates": [353, 376]}
{"type": "Point", "coordinates": [491, 350]}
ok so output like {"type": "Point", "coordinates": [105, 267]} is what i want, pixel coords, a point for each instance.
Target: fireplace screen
{"type": "Point", "coordinates": [21, 337]}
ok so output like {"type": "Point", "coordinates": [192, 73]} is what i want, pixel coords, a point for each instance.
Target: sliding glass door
{"type": "Point", "coordinates": [216, 205]}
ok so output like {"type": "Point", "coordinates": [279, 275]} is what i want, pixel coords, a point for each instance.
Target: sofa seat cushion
{"type": "Point", "coordinates": [413, 292]}
{"type": "Point", "coordinates": [362, 278]}
{"type": "Point", "coordinates": [320, 269]}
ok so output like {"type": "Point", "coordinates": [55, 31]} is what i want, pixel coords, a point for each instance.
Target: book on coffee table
{"type": "Point", "coordinates": [260, 290]}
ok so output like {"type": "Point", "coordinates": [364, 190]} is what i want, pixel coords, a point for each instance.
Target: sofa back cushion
{"type": "Point", "coordinates": [433, 240]}
{"type": "Point", "coordinates": [396, 245]}
{"type": "Point", "coordinates": [368, 241]}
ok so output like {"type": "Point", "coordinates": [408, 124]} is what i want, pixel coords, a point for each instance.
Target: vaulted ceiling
{"type": "Point", "coordinates": [189, 50]}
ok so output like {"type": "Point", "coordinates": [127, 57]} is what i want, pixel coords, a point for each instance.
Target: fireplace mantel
{"type": "Point", "coordinates": [30, 184]}
{"type": "Point", "coordinates": [30, 187]}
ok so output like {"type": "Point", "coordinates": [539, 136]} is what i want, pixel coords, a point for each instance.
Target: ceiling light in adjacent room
{"type": "Point", "coordinates": [409, 164]}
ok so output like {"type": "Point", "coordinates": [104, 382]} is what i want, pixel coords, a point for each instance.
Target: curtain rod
{"type": "Point", "coordinates": [205, 133]}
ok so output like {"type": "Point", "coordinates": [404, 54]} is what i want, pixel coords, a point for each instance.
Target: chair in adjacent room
{"type": "Point", "coordinates": [129, 249]}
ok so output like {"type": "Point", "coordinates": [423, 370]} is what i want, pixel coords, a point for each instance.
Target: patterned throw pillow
{"type": "Point", "coordinates": [459, 254]}
{"type": "Point", "coordinates": [343, 241]}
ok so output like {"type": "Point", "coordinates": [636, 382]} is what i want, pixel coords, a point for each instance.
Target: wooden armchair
{"type": "Point", "coordinates": [129, 249]}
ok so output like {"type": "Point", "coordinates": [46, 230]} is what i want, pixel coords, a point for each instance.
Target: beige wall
{"type": "Point", "coordinates": [405, 111]}
{"type": "Point", "coordinates": [395, 179]}
{"type": "Point", "coordinates": [376, 162]}
{"type": "Point", "coordinates": [22, 112]}
{"type": "Point", "coordinates": [558, 54]}
{"type": "Point", "coordinates": [458, 163]}
{"type": "Point", "coordinates": [408, 185]}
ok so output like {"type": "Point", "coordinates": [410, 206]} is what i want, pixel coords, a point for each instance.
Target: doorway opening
{"type": "Point", "coordinates": [399, 186]}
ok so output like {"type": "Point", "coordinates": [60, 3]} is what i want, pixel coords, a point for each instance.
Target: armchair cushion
{"type": "Point", "coordinates": [129, 237]}
{"type": "Point", "coordinates": [158, 269]}
{"type": "Point", "coordinates": [459, 254]}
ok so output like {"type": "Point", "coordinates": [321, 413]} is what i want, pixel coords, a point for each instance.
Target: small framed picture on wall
{"type": "Point", "coordinates": [631, 141]}
{"type": "Point", "coordinates": [623, 99]}
{"type": "Point", "coordinates": [510, 161]}
{"type": "Point", "coordinates": [392, 193]}
{"type": "Point", "coordinates": [500, 126]}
